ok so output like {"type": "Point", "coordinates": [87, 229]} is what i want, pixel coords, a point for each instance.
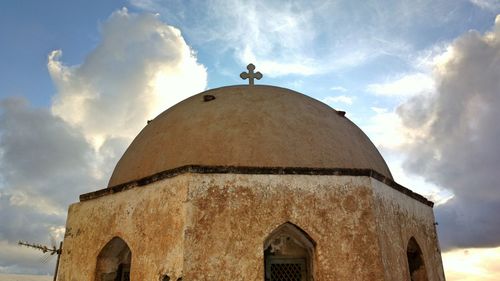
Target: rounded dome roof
{"type": "Point", "coordinates": [248, 126]}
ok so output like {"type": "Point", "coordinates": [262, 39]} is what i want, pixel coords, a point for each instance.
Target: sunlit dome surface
{"type": "Point", "coordinates": [248, 126]}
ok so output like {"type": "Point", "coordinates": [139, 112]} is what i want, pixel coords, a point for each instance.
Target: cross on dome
{"type": "Point", "coordinates": [251, 75]}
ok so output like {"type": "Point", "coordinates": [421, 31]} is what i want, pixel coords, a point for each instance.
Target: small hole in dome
{"type": "Point", "coordinates": [207, 98]}
{"type": "Point", "coordinates": [341, 113]}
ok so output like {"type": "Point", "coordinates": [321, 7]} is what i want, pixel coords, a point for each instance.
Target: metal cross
{"type": "Point", "coordinates": [251, 75]}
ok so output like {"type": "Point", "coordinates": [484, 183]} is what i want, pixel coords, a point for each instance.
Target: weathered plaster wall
{"type": "Point", "coordinates": [213, 227]}
{"type": "Point", "coordinates": [230, 217]}
{"type": "Point", "coordinates": [398, 219]}
{"type": "Point", "coordinates": [149, 219]}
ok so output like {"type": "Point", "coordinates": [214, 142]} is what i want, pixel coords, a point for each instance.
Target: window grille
{"type": "Point", "coordinates": [287, 269]}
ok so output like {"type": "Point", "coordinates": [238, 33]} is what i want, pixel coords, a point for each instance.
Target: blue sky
{"type": "Point", "coordinates": [79, 79]}
{"type": "Point", "coordinates": [31, 29]}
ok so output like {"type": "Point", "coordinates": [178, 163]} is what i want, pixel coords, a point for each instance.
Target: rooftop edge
{"type": "Point", "coordinates": [199, 169]}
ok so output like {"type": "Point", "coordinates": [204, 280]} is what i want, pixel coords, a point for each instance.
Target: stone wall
{"type": "Point", "coordinates": [149, 219]}
{"type": "Point", "coordinates": [398, 220]}
{"type": "Point", "coordinates": [232, 215]}
{"type": "Point", "coordinates": [213, 227]}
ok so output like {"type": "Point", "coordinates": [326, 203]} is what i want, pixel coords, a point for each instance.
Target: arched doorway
{"type": "Point", "coordinates": [416, 264]}
{"type": "Point", "coordinates": [288, 254]}
{"type": "Point", "coordinates": [113, 262]}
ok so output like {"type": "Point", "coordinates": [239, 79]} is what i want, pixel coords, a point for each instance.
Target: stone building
{"type": "Point", "coordinates": [251, 183]}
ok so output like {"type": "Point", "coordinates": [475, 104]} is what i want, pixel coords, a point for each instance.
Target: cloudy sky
{"type": "Point", "coordinates": [79, 79]}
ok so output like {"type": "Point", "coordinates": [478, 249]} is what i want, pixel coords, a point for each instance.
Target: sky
{"type": "Point", "coordinates": [80, 79]}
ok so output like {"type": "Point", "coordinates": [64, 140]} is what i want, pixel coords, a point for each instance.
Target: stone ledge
{"type": "Point", "coordinates": [198, 169]}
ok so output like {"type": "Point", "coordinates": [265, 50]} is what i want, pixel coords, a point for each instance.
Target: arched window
{"type": "Point", "coordinates": [113, 262]}
{"type": "Point", "coordinates": [416, 265]}
{"type": "Point", "coordinates": [288, 254]}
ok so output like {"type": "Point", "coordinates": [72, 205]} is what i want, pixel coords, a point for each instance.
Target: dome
{"type": "Point", "coordinates": [248, 126]}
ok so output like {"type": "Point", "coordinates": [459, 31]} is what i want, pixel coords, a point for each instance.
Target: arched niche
{"type": "Point", "coordinates": [288, 254]}
{"type": "Point", "coordinates": [416, 264]}
{"type": "Point", "coordinates": [113, 262]}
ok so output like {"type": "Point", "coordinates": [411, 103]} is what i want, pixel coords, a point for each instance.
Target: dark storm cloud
{"type": "Point", "coordinates": [43, 167]}
{"type": "Point", "coordinates": [459, 144]}
{"type": "Point", "coordinates": [41, 154]}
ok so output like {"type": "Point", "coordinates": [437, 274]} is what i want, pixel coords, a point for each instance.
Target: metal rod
{"type": "Point", "coordinates": [46, 249]}
{"type": "Point", "coordinates": [59, 251]}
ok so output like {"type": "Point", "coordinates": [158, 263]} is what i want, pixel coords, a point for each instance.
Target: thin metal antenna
{"type": "Point", "coordinates": [51, 251]}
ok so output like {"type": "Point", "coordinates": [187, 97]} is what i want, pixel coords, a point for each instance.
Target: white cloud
{"type": "Point", "coordinates": [50, 156]}
{"type": "Point", "coordinates": [455, 140]}
{"type": "Point", "coordinates": [339, 89]}
{"type": "Point", "coordinates": [277, 37]}
{"type": "Point", "coordinates": [385, 128]}
{"type": "Point", "coordinates": [492, 5]}
{"type": "Point", "coordinates": [301, 37]}
{"type": "Point", "coordinates": [472, 264]}
{"type": "Point", "coordinates": [141, 67]}
{"type": "Point", "coordinates": [416, 183]}
{"type": "Point", "coordinates": [387, 131]}
{"type": "Point", "coordinates": [333, 100]}
{"type": "Point", "coordinates": [404, 86]}
{"type": "Point", "coordinates": [448, 138]}
{"type": "Point", "coordinates": [283, 38]}
{"type": "Point", "coordinates": [258, 29]}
